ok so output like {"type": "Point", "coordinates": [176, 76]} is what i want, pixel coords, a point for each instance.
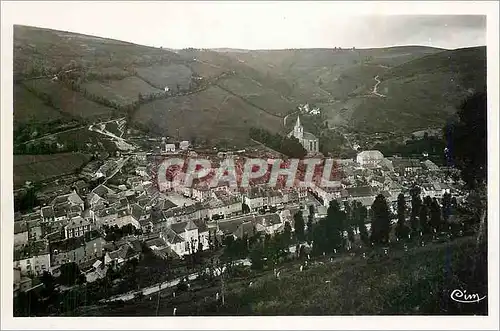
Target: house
{"type": "Point", "coordinates": [33, 258]}
{"type": "Point", "coordinates": [142, 216]}
{"type": "Point", "coordinates": [184, 145]}
{"type": "Point", "coordinates": [72, 199]}
{"type": "Point", "coordinates": [141, 171]}
{"type": "Point", "coordinates": [364, 194]}
{"type": "Point", "coordinates": [434, 190]}
{"type": "Point", "coordinates": [327, 194]}
{"type": "Point", "coordinates": [99, 194]}
{"type": "Point", "coordinates": [81, 187]}
{"type": "Point", "coordinates": [78, 249]}
{"type": "Point", "coordinates": [237, 228]}
{"type": "Point", "coordinates": [203, 233]}
{"type": "Point", "coordinates": [169, 148]}
{"type": "Point", "coordinates": [188, 231]}
{"type": "Point", "coordinates": [268, 224]}
{"type": "Point", "coordinates": [21, 283]}
{"type": "Point", "coordinates": [103, 216]}
{"type": "Point", "coordinates": [406, 166]}
{"type": "Point", "coordinates": [47, 214]}
{"type": "Point", "coordinates": [155, 244]}
{"type": "Point", "coordinates": [34, 230]}
{"type": "Point", "coordinates": [60, 214]}
{"type": "Point", "coordinates": [369, 158]}
{"type": "Point", "coordinates": [21, 236]}
{"type": "Point", "coordinates": [256, 198]}
{"type": "Point", "coordinates": [430, 166]}
{"type": "Point", "coordinates": [175, 242]}
{"type": "Point", "coordinates": [97, 271]}
{"type": "Point", "coordinates": [126, 252]}
{"type": "Point", "coordinates": [185, 213]}
{"type": "Point", "coordinates": [201, 191]}
{"type": "Point", "coordinates": [77, 227]}
{"type": "Point", "coordinates": [123, 218]}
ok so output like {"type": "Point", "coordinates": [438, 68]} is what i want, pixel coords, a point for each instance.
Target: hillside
{"type": "Point", "coordinates": [220, 94]}
{"type": "Point", "coordinates": [416, 282]}
{"type": "Point", "coordinates": [423, 92]}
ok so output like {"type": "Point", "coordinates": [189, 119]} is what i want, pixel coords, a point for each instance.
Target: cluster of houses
{"type": "Point", "coordinates": [372, 174]}
{"type": "Point", "coordinates": [179, 221]}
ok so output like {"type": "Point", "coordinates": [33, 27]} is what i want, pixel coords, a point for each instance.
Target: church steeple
{"type": "Point", "coordinates": [298, 130]}
{"type": "Point", "coordinates": [297, 124]}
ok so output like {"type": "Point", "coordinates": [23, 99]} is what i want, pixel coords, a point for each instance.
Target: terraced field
{"type": "Point", "coordinates": [258, 95]}
{"type": "Point", "coordinates": [67, 100]}
{"type": "Point", "coordinates": [123, 92]}
{"type": "Point", "coordinates": [29, 108]}
{"type": "Point", "coordinates": [166, 76]}
{"type": "Point", "coordinates": [212, 114]}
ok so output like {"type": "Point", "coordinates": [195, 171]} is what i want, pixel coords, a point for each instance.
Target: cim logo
{"type": "Point", "coordinates": [463, 297]}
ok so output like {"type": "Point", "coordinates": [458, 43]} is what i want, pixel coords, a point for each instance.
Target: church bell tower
{"type": "Point", "coordinates": [298, 130]}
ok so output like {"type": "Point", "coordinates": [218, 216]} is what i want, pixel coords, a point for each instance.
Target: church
{"type": "Point", "coordinates": [307, 139]}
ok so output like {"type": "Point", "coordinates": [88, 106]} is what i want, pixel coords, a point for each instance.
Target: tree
{"type": "Point", "coordinates": [245, 209]}
{"type": "Point", "coordinates": [360, 215]}
{"type": "Point", "coordinates": [416, 202]}
{"type": "Point", "coordinates": [48, 284]}
{"type": "Point", "coordinates": [447, 201]}
{"type": "Point", "coordinates": [70, 273]}
{"type": "Point", "coordinates": [287, 233]}
{"type": "Point", "coordinates": [310, 219]}
{"type": "Point", "coordinates": [424, 219]}
{"type": "Point", "coordinates": [467, 150]}
{"type": "Point", "coordinates": [299, 225]}
{"type": "Point", "coordinates": [401, 228]}
{"type": "Point", "coordinates": [435, 211]}
{"type": "Point", "coordinates": [257, 257]}
{"type": "Point", "coordinates": [327, 235]}
{"type": "Point", "coordinates": [349, 212]}
{"type": "Point", "coordinates": [380, 220]}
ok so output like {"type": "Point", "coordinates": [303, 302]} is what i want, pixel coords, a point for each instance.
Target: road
{"type": "Point", "coordinates": [120, 165]}
{"type": "Point", "coordinates": [376, 87]}
{"type": "Point", "coordinates": [121, 143]}
{"type": "Point", "coordinates": [167, 284]}
{"type": "Point", "coordinates": [286, 117]}
{"type": "Point", "coordinates": [52, 134]}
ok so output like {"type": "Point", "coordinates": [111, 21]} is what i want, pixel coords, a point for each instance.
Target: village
{"type": "Point", "coordinates": [115, 207]}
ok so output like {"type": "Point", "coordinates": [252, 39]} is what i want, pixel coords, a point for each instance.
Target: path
{"type": "Point", "coordinates": [120, 165]}
{"type": "Point", "coordinates": [286, 117]}
{"type": "Point", "coordinates": [52, 134]}
{"type": "Point", "coordinates": [167, 284]}
{"type": "Point", "coordinates": [121, 143]}
{"type": "Point", "coordinates": [376, 87]}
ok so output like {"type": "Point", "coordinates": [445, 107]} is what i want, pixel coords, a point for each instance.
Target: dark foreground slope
{"type": "Point", "coordinates": [417, 282]}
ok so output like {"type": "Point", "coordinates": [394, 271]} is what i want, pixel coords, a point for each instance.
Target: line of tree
{"type": "Point", "coordinates": [289, 146]}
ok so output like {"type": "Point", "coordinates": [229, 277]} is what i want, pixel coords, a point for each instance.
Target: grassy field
{"type": "Point", "coordinates": [418, 282]}
{"type": "Point", "coordinates": [123, 92]}
{"type": "Point", "coordinates": [29, 108]}
{"type": "Point", "coordinates": [36, 48]}
{"type": "Point", "coordinates": [37, 168]}
{"type": "Point", "coordinates": [212, 114]}
{"type": "Point", "coordinates": [170, 75]}
{"type": "Point", "coordinates": [69, 101]}
{"type": "Point", "coordinates": [257, 94]}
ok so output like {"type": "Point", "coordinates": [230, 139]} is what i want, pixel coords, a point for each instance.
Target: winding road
{"type": "Point", "coordinates": [376, 87]}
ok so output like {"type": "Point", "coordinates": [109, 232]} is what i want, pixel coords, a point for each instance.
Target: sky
{"type": "Point", "coordinates": [259, 25]}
